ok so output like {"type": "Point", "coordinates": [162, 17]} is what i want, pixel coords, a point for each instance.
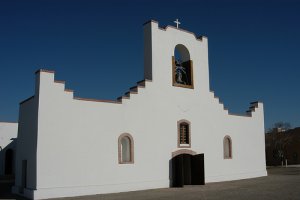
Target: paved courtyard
{"type": "Point", "coordinates": [281, 183]}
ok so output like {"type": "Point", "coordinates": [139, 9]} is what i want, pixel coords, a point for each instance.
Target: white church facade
{"type": "Point", "coordinates": [168, 130]}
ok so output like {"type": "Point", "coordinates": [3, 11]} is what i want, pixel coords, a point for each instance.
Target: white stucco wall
{"type": "Point", "coordinates": [77, 140]}
{"type": "Point", "coordinates": [27, 145]}
{"type": "Point", "coordinates": [8, 134]}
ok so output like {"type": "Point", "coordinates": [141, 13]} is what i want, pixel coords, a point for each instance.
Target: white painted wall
{"type": "Point", "coordinates": [77, 140]}
{"type": "Point", "coordinates": [8, 134]}
{"type": "Point", "coordinates": [26, 146]}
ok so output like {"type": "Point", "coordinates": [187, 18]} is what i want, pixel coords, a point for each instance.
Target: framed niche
{"type": "Point", "coordinates": [182, 68]}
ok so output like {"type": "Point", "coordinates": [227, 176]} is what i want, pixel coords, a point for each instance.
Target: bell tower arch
{"type": "Point", "coordinates": [175, 58]}
{"type": "Point", "coordinates": [182, 68]}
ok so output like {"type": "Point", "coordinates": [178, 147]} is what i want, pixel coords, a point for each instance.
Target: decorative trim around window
{"type": "Point", "coordinates": [227, 147]}
{"type": "Point", "coordinates": [125, 149]}
{"type": "Point", "coordinates": [184, 134]}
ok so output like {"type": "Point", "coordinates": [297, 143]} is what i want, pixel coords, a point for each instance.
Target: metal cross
{"type": "Point", "coordinates": [177, 23]}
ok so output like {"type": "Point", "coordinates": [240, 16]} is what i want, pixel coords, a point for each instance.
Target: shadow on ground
{"type": "Point", "coordinates": [284, 171]}
{"type": "Point", "coordinates": [6, 183]}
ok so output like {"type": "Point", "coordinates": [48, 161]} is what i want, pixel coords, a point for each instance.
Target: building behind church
{"type": "Point", "coordinates": [168, 130]}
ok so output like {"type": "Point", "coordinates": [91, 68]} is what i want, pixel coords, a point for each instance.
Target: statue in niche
{"type": "Point", "coordinates": [182, 68]}
{"type": "Point", "coordinates": [180, 72]}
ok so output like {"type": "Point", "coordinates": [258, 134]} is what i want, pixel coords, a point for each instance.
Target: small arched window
{"type": "Point", "coordinates": [227, 147]}
{"type": "Point", "coordinates": [125, 149]}
{"type": "Point", "coordinates": [182, 67]}
{"type": "Point", "coordinates": [184, 133]}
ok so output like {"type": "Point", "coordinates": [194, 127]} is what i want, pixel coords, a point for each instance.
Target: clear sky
{"type": "Point", "coordinates": [97, 48]}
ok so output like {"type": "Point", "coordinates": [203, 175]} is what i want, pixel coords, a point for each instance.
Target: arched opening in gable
{"type": "Point", "coordinates": [182, 67]}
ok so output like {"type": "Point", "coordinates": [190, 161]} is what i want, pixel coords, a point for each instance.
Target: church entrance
{"type": "Point", "coordinates": [187, 170]}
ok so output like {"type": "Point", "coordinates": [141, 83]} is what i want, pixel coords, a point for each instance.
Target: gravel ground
{"type": "Point", "coordinates": [281, 184]}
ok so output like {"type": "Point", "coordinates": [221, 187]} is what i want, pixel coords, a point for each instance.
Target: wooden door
{"type": "Point", "coordinates": [198, 177]}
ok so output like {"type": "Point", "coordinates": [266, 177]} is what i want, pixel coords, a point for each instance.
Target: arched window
{"type": "Point", "coordinates": [227, 147]}
{"type": "Point", "coordinates": [125, 149]}
{"type": "Point", "coordinates": [182, 67]}
{"type": "Point", "coordinates": [184, 133]}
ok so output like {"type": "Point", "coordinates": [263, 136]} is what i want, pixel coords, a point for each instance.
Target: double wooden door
{"type": "Point", "coordinates": [187, 170]}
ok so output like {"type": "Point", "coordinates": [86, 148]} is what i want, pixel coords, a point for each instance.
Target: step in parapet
{"type": "Point", "coordinates": [252, 108]}
{"type": "Point", "coordinates": [133, 90]}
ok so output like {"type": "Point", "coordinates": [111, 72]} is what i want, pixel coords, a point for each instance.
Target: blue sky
{"type": "Point", "coordinates": [253, 49]}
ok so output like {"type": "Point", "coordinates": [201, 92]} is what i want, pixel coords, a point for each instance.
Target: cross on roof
{"type": "Point", "coordinates": [177, 23]}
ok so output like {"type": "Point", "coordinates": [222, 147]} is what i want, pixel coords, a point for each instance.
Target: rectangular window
{"type": "Point", "coordinates": [184, 137]}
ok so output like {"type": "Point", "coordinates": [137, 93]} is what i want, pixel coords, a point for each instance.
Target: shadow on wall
{"type": "Point", "coordinates": [7, 179]}
{"type": "Point", "coordinates": [7, 158]}
{"type": "Point", "coordinates": [6, 183]}
{"type": "Point", "coordinates": [170, 173]}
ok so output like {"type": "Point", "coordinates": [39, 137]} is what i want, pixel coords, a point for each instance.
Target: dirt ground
{"type": "Point", "coordinates": [281, 184]}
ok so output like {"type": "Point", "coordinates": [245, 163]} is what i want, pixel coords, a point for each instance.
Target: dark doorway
{"type": "Point", "coordinates": [9, 155]}
{"type": "Point", "coordinates": [187, 170]}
